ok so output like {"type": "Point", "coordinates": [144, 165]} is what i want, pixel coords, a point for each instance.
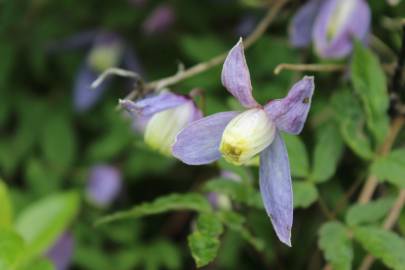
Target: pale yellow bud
{"type": "Point", "coordinates": [105, 57]}
{"type": "Point", "coordinates": [246, 135]}
{"type": "Point", "coordinates": [340, 16]}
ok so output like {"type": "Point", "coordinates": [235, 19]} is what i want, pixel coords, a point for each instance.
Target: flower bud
{"type": "Point", "coordinates": [163, 127]}
{"type": "Point", "coordinates": [106, 53]}
{"type": "Point", "coordinates": [246, 135]}
{"type": "Point", "coordinates": [340, 17]}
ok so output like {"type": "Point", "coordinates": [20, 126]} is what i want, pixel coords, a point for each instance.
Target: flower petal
{"type": "Point", "coordinates": [276, 188]}
{"type": "Point", "coordinates": [354, 22]}
{"type": "Point", "coordinates": [236, 78]}
{"type": "Point", "coordinates": [198, 143]}
{"type": "Point", "coordinates": [300, 30]}
{"type": "Point", "coordinates": [290, 113]}
{"type": "Point", "coordinates": [153, 104]}
{"type": "Point", "coordinates": [84, 97]}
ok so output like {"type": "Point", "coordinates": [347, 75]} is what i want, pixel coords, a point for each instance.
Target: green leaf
{"type": "Point", "coordinates": [305, 194]}
{"type": "Point", "coordinates": [297, 154]}
{"type": "Point", "coordinates": [204, 242]}
{"type": "Point", "coordinates": [328, 151]}
{"type": "Point", "coordinates": [334, 241]}
{"type": "Point", "coordinates": [384, 245]}
{"type": "Point", "coordinates": [368, 213]}
{"type": "Point", "coordinates": [6, 210]}
{"type": "Point", "coordinates": [236, 222]}
{"type": "Point", "coordinates": [42, 222]}
{"type": "Point", "coordinates": [391, 168]}
{"type": "Point", "coordinates": [241, 171]}
{"type": "Point", "coordinates": [11, 248]}
{"type": "Point", "coordinates": [202, 48]}
{"type": "Point", "coordinates": [39, 264]}
{"type": "Point", "coordinates": [188, 201]}
{"type": "Point", "coordinates": [240, 192]}
{"type": "Point", "coordinates": [370, 83]}
{"type": "Point", "coordinates": [58, 142]}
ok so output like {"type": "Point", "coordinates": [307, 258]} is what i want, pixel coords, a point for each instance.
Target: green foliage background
{"type": "Point", "coordinates": [46, 149]}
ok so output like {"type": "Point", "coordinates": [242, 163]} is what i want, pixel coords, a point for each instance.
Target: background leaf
{"type": "Point", "coordinates": [369, 212]}
{"type": "Point", "coordinates": [305, 194]}
{"type": "Point", "coordinates": [391, 168]}
{"type": "Point", "coordinates": [6, 210]}
{"type": "Point", "coordinates": [297, 155]}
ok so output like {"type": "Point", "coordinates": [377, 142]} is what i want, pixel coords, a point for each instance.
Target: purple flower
{"type": "Point", "coordinates": [240, 136]}
{"type": "Point", "coordinates": [108, 50]}
{"type": "Point", "coordinates": [62, 251]}
{"type": "Point", "coordinates": [104, 184]}
{"type": "Point", "coordinates": [162, 116]}
{"type": "Point", "coordinates": [160, 20]}
{"type": "Point", "coordinates": [331, 25]}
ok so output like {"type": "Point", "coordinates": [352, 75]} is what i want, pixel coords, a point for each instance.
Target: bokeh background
{"type": "Point", "coordinates": [69, 164]}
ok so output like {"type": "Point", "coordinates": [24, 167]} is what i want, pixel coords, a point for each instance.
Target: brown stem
{"type": "Point", "coordinates": [388, 224]}
{"type": "Point", "coordinates": [204, 66]}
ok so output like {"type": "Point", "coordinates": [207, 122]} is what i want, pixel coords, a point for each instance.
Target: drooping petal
{"type": "Point", "coordinates": [276, 188]}
{"type": "Point", "coordinates": [84, 97]}
{"type": "Point", "coordinates": [236, 78]}
{"type": "Point", "coordinates": [338, 23]}
{"type": "Point", "coordinates": [300, 30]}
{"type": "Point", "coordinates": [153, 104]}
{"type": "Point", "coordinates": [290, 113]}
{"type": "Point", "coordinates": [198, 143]}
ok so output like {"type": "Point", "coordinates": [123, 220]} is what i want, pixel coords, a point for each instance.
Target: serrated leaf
{"type": "Point", "coordinates": [369, 82]}
{"type": "Point", "coordinates": [305, 194]}
{"type": "Point", "coordinates": [391, 168]}
{"type": "Point", "coordinates": [11, 248]}
{"type": "Point", "coordinates": [384, 245]}
{"type": "Point", "coordinates": [334, 241]}
{"type": "Point", "coordinates": [368, 213]}
{"type": "Point", "coordinates": [236, 222]}
{"type": "Point", "coordinates": [187, 201]}
{"type": "Point", "coordinates": [6, 210]}
{"type": "Point", "coordinates": [209, 224]}
{"type": "Point", "coordinates": [42, 222]}
{"type": "Point", "coordinates": [238, 191]}
{"type": "Point", "coordinates": [327, 153]}
{"type": "Point", "coordinates": [297, 154]}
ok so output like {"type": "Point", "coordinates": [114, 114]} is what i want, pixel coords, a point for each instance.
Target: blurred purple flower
{"type": "Point", "coordinates": [104, 184]}
{"type": "Point", "coordinates": [240, 136]}
{"type": "Point", "coordinates": [108, 50]}
{"type": "Point", "coordinates": [246, 25]}
{"type": "Point", "coordinates": [160, 20]}
{"type": "Point", "coordinates": [331, 25]}
{"type": "Point", "coordinates": [62, 251]}
{"type": "Point", "coordinates": [161, 116]}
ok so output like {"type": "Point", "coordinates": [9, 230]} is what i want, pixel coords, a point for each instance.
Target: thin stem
{"type": "Point", "coordinates": [309, 67]}
{"type": "Point", "coordinates": [117, 72]}
{"type": "Point", "coordinates": [388, 224]}
{"type": "Point", "coordinates": [204, 66]}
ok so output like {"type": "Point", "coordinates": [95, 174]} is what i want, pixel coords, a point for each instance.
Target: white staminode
{"type": "Point", "coordinates": [339, 18]}
{"type": "Point", "coordinates": [246, 135]}
{"type": "Point", "coordinates": [163, 127]}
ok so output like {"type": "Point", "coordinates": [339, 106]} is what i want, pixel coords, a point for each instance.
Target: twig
{"type": "Point", "coordinates": [388, 224]}
{"type": "Point", "coordinates": [309, 67]}
{"type": "Point", "coordinates": [204, 66]}
{"type": "Point", "coordinates": [117, 72]}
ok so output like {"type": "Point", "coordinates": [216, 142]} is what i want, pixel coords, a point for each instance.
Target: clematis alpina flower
{"type": "Point", "coordinates": [104, 184]}
{"type": "Point", "coordinates": [108, 50]}
{"type": "Point", "coordinates": [163, 116]}
{"type": "Point", "coordinates": [332, 25]}
{"type": "Point", "coordinates": [240, 136]}
{"type": "Point", "coordinates": [61, 252]}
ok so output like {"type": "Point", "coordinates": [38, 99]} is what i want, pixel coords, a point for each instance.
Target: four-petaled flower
{"type": "Point", "coordinates": [161, 117]}
{"type": "Point", "coordinates": [331, 25]}
{"type": "Point", "coordinates": [240, 136]}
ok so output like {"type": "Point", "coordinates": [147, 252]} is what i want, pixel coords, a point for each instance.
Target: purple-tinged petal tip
{"type": "Point", "coordinates": [198, 143]}
{"type": "Point", "coordinates": [236, 78]}
{"type": "Point", "coordinates": [290, 113]}
{"type": "Point", "coordinates": [276, 188]}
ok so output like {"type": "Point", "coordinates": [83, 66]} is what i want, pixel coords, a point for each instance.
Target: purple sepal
{"type": "Point", "coordinates": [62, 251]}
{"type": "Point", "coordinates": [300, 29]}
{"type": "Point", "coordinates": [236, 78]}
{"type": "Point", "coordinates": [154, 104]}
{"type": "Point", "coordinates": [356, 25]}
{"type": "Point", "coordinates": [84, 97]}
{"type": "Point", "coordinates": [198, 143]}
{"type": "Point", "coordinates": [276, 188]}
{"type": "Point", "coordinates": [290, 113]}
{"type": "Point", "coordinates": [104, 184]}
{"type": "Point", "coordinates": [160, 20]}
